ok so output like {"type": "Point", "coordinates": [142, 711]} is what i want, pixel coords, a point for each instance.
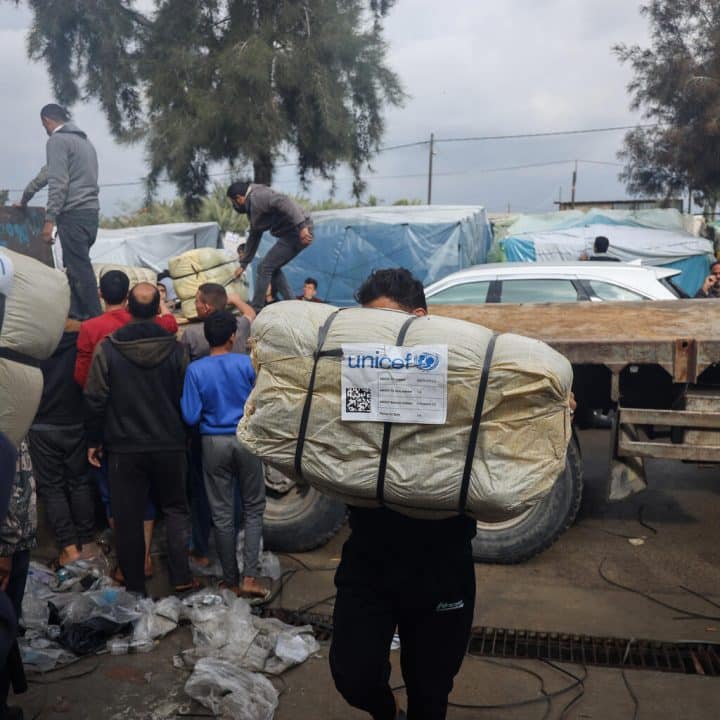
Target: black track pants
{"type": "Point", "coordinates": [430, 599]}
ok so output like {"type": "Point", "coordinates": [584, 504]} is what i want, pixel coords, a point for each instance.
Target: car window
{"type": "Point", "coordinates": [538, 290]}
{"type": "Point", "coordinates": [608, 291]}
{"type": "Point", "coordinates": [467, 293]}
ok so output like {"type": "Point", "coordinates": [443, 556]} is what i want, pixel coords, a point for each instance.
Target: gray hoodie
{"type": "Point", "coordinates": [72, 169]}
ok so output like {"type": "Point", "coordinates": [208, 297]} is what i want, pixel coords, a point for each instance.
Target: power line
{"type": "Point", "coordinates": [421, 143]}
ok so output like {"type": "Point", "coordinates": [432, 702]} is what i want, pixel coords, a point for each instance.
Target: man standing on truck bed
{"type": "Point", "coordinates": [72, 205]}
{"type": "Point", "coordinates": [286, 220]}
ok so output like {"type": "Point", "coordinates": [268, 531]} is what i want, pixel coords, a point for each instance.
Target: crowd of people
{"type": "Point", "coordinates": [148, 422]}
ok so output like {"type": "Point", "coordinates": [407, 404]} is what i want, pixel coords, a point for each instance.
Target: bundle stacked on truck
{"type": "Point", "coordinates": [34, 302]}
{"type": "Point", "coordinates": [195, 267]}
{"type": "Point", "coordinates": [500, 418]}
{"type": "Point", "coordinates": [135, 274]}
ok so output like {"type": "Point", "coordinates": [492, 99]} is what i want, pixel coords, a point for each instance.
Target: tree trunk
{"type": "Point", "coordinates": [263, 169]}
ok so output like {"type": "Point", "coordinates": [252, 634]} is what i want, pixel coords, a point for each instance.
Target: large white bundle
{"type": "Point", "coordinates": [195, 267]}
{"type": "Point", "coordinates": [135, 274]}
{"type": "Point", "coordinates": [523, 433]}
{"type": "Point", "coordinates": [34, 302]}
{"type": "Point", "coordinates": [20, 392]}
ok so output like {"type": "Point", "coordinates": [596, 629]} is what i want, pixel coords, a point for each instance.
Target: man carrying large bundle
{"type": "Point", "coordinates": [397, 571]}
{"type": "Point", "coordinates": [286, 220]}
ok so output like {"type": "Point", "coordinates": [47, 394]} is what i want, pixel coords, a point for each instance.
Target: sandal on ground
{"type": "Point", "coordinates": [190, 587]}
{"type": "Point", "coordinates": [255, 597]}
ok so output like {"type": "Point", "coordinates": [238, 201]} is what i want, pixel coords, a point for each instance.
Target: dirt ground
{"type": "Point", "coordinates": [561, 590]}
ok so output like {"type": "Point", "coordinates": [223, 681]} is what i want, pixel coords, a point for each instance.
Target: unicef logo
{"type": "Point", "coordinates": [427, 361]}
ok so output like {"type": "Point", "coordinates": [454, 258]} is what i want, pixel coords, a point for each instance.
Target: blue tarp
{"type": "Point", "coordinates": [655, 237]}
{"type": "Point", "coordinates": [430, 241]}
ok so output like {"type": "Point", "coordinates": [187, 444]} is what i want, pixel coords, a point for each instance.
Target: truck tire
{"type": "Point", "coordinates": [527, 535]}
{"type": "Point", "coordinates": [298, 519]}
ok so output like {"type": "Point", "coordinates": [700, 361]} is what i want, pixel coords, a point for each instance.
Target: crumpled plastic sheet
{"type": "Point", "coordinates": [158, 619]}
{"type": "Point", "coordinates": [229, 631]}
{"type": "Point", "coordinates": [231, 692]}
{"type": "Point", "coordinates": [42, 654]}
{"type": "Point", "coordinates": [111, 603]}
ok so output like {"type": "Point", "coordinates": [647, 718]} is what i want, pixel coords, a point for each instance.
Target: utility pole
{"type": "Point", "coordinates": [574, 183]}
{"type": "Point", "coordinates": [430, 168]}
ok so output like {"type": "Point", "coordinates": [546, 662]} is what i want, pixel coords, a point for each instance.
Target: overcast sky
{"type": "Point", "coordinates": [470, 68]}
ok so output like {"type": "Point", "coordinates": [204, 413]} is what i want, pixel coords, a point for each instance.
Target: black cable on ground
{"type": "Point", "coordinates": [305, 566]}
{"type": "Point", "coordinates": [641, 512]}
{"type": "Point", "coordinates": [73, 676]}
{"type": "Point", "coordinates": [633, 696]}
{"type": "Point", "coordinates": [312, 605]}
{"type": "Point", "coordinates": [547, 697]}
{"type": "Point", "coordinates": [650, 598]}
{"type": "Point", "coordinates": [700, 595]}
{"type": "Point", "coordinates": [580, 680]}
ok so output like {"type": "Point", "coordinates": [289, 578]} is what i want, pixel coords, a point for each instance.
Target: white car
{"type": "Point", "coordinates": [554, 282]}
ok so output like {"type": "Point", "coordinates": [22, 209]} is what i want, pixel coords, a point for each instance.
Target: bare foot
{"type": "Point", "coordinates": [252, 587]}
{"type": "Point", "coordinates": [69, 555]}
{"type": "Point", "coordinates": [200, 560]}
{"type": "Point", "coordinates": [148, 568]}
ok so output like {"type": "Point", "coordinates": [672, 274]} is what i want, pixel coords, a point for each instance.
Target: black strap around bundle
{"type": "Point", "coordinates": [475, 428]}
{"type": "Point", "coordinates": [385, 447]}
{"type": "Point", "coordinates": [18, 357]}
{"type": "Point", "coordinates": [322, 336]}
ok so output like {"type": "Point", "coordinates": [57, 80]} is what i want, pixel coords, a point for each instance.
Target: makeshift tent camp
{"type": "Point", "coordinates": [431, 241]}
{"type": "Point", "coordinates": [656, 237]}
{"type": "Point", "coordinates": [151, 246]}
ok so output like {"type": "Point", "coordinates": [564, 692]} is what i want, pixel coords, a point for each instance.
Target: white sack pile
{"type": "Point", "coordinates": [523, 434]}
{"type": "Point", "coordinates": [195, 267]}
{"type": "Point", "coordinates": [34, 303]}
{"type": "Point", "coordinates": [135, 274]}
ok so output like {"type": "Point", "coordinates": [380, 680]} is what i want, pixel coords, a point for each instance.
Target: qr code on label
{"type": "Point", "coordinates": [357, 400]}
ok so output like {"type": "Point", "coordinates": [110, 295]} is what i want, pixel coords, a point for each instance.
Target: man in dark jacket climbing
{"type": "Point", "coordinates": [132, 401]}
{"type": "Point", "coordinates": [71, 173]}
{"type": "Point", "coordinates": [286, 220]}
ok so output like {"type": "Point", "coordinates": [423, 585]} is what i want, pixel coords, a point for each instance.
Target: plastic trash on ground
{"type": "Point", "coordinates": [295, 648]}
{"type": "Point", "coordinates": [231, 692]}
{"type": "Point", "coordinates": [112, 604]}
{"type": "Point", "coordinates": [157, 620]}
{"type": "Point", "coordinates": [41, 654]}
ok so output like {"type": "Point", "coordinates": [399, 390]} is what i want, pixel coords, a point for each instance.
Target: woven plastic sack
{"type": "Point", "coordinates": [135, 274]}
{"type": "Point", "coordinates": [523, 433]}
{"type": "Point", "coordinates": [34, 302]}
{"type": "Point", "coordinates": [20, 392]}
{"type": "Point", "coordinates": [195, 267]}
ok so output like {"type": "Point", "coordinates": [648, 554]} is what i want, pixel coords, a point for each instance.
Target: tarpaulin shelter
{"type": "Point", "coordinates": [655, 237]}
{"type": "Point", "coordinates": [151, 246]}
{"type": "Point", "coordinates": [430, 241]}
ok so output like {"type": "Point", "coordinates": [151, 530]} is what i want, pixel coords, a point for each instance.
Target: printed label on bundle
{"type": "Point", "coordinates": [386, 383]}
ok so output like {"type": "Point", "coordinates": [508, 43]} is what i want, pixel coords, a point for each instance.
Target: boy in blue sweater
{"type": "Point", "coordinates": [216, 388]}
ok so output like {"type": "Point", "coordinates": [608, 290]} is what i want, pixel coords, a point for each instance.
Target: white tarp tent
{"type": "Point", "coordinates": [151, 246]}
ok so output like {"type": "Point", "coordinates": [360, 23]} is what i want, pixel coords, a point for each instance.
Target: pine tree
{"type": "Point", "coordinates": [677, 86]}
{"type": "Point", "coordinates": [235, 81]}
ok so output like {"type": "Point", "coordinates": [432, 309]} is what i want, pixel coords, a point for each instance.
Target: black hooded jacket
{"type": "Point", "coordinates": [62, 402]}
{"type": "Point", "coordinates": [132, 396]}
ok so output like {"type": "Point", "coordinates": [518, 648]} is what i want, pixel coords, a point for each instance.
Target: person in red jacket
{"type": "Point", "coordinates": [114, 288]}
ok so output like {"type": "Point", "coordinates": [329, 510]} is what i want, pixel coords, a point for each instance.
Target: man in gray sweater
{"type": "Point", "coordinates": [71, 173]}
{"type": "Point", "coordinates": [286, 220]}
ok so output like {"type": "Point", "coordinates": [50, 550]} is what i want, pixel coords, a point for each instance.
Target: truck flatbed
{"type": "Point", "coordinates": [682, 336]}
